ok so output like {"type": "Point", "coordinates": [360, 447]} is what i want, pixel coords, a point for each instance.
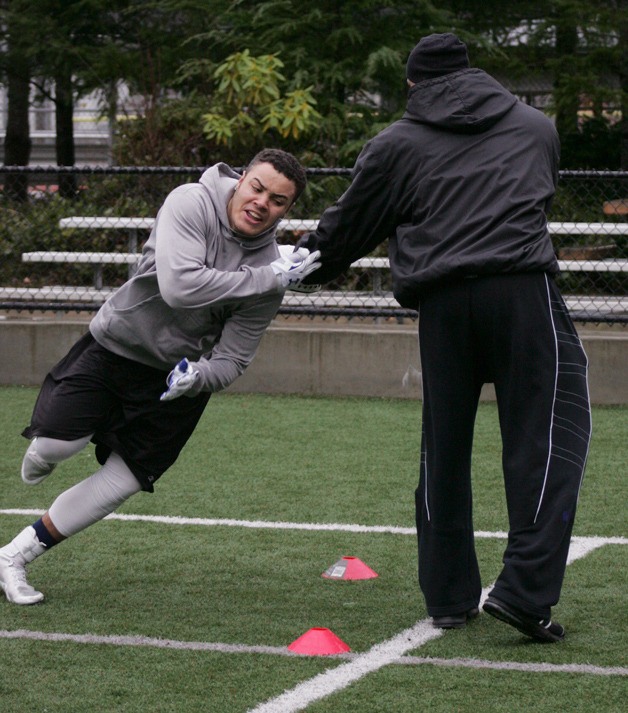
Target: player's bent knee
{"type": "Point", "coordinates": [54, 450]}
{"type": "Point", "coordinates": [94, 498]}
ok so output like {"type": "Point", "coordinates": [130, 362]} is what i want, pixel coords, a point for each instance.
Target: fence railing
{"type": "Point", "coordinates": [70, 236]}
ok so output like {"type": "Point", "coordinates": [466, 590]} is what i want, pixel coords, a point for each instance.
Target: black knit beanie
{"type": "Point", "coordinates": [436, 55]}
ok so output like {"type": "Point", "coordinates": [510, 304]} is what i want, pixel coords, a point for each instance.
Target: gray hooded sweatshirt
{"type": "Point", "coordinates": [200, 291]}
{"type": "Point", "coordinates": [460, 185]}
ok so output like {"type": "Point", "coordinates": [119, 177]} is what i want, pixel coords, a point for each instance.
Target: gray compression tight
{"type": "Point", "coordinates": [93, 498]}
{"type": "Point", "coordinates": [53, 450]}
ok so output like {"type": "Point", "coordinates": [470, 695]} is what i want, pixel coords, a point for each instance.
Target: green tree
{"type": "Point", "coordinates": [350, 53]}
{"type": "Point", "coordinates": [96, 45]}
{"type": "Point", "coordinates": [72, 28]}
{"type": "Point", "coordinates": [164, 66]}
{"type": "Point", "coordinates": [622, 71]}
{"type": "Point", "coordinates": [574, 47]}
{"type": "Point", "coordinates": [584, 61]}
{"type": "Point", "coordinates": [343, 60]}
{"type": "Point", "coordinates": [248, 103]}
{"type": "Point", "coordinates": [17, 70]}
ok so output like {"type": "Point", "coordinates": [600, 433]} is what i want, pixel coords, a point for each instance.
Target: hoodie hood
{"type": "Point", "coordinates": [468, 102]}
{"type": "Point", "coordinates": [220, 181]}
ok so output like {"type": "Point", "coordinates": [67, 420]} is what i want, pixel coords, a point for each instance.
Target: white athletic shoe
{"type": "Point", "coordinates": [34, 467]}
{"type": "Point", "coordinates": [13, 560]}
{"type": "Point", "coordinates": [13, 582]}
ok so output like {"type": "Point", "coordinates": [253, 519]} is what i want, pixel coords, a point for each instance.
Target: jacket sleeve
{"type": "Point", "coordinates": [182, 233]}
{"type": "Point", "coordinates": [363, 217]}
{"type": "Point", "coordinates": [555, 163]}
{"type": "Point", "coordinates": [238, 343]}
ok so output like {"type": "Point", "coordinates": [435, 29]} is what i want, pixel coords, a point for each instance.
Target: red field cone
{"type": "Point", "coordinates": [318, 642]}
{"type": "Point", "coordinates": [349, 568]}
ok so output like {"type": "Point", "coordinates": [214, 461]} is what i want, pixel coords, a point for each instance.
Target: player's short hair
{"type": "Point", "coordinates": [284, 163]}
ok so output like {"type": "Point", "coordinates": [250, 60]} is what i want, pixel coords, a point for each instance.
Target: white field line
{"type": "Point", "coordinates": [516, 666]}
{"type": "Point", "coordinates": [307, 526]}
{"type": "Point", "coordinates": [336, 679]}
{"type": "Point", "coordinates": [580, 547]}
{"type": "Point", "coordinates": [385, 653]}
{"type": "Point", "coordinates": [144, 641]}
{"type": "Point", "coordinates": [214, 647]}
{"type": "Point", "coordinates": [393, 651]}
{"type": "Point", "coordinates": [228, 522]}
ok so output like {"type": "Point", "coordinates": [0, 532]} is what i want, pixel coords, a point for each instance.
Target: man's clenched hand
{"type": "Point", "coordinates": [292, 267]}
{"type": "Point", "coordinates": [180, 380]}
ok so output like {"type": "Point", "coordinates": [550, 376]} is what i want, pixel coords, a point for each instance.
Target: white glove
{"type": "Point", "coordinates": [181, 379]}
{"type": "Point", "coordinates": [292, 267]}
{"type": "Point", "coordinates": [288, 251]}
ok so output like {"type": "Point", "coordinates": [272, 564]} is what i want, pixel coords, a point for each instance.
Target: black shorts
{"type": "Point", "coordinates": [94, 391]}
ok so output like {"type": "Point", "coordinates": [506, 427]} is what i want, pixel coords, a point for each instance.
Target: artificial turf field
{"type": "Point", "coordinates": [187, 599]}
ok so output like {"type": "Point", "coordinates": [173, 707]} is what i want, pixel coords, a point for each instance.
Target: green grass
{"type": "Point", "coordinates": [299, 460]}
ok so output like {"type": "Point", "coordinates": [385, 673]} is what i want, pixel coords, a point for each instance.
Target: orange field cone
{"type": "Point", "coordinates": [318, 642]}
{"type": "Point", "coordinates": [349, 568]}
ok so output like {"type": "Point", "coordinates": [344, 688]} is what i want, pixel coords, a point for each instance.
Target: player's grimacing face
{"type": "Point", "coordinates": [262, 196]}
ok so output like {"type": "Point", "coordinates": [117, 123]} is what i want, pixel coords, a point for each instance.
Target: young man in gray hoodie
{"type": "Point", "coordinates": [461, 186]}
{"type": "Point", "coordinates": [210, 280]}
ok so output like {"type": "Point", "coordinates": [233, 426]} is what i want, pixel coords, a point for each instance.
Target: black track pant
{"type": "Point", "coordinates": [513, 331]}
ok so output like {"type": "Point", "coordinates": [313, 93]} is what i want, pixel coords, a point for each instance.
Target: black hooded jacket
{"type": "Point", "coordinates": [461, 186]}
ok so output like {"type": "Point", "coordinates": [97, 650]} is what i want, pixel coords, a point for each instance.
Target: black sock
{"type": "Point", "coordinates": [43, 535]}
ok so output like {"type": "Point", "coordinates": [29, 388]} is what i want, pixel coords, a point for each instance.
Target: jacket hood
{"type": "Point", "coordinates": [468, 101]}
{"type": "Point", "coordinates": [220, 180]}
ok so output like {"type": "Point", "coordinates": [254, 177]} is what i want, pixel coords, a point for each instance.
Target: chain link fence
{"type": "Point", "coordinates": [71, 236]}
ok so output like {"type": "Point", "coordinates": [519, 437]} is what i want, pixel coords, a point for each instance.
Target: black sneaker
{"type": "Point", "coordinates": [544, 630]}
{"type": "Point", "coordinates": [455, 621]}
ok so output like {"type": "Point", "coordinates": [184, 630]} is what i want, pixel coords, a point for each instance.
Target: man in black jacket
{"type": "Point", "coordinates": [461, 186]}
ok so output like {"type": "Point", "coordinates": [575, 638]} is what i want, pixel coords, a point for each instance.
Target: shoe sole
{"type": "Point", "coordinates": [26, 600]}
{"type": "Point", "coordinates": [530, 628]}
{"type": "Point", "coordinates": [451, 623]}
{"type": "Point", "coordinates": [34, 600]}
